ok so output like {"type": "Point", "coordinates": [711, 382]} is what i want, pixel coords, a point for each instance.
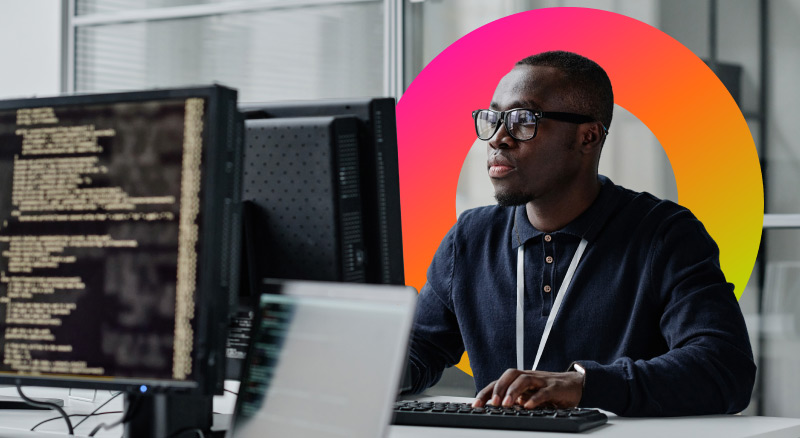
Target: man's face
{"type": "Point", "coordinates": [539, 168]}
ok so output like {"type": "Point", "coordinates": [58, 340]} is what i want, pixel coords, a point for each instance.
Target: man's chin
{"type": "Point", "coordinates": [505, 199]}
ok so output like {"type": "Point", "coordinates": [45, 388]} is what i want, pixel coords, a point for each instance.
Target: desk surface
{"type": "Point", "coordinates": [728, 426]}
{"type": "Point", "coordinates": [16, 424]}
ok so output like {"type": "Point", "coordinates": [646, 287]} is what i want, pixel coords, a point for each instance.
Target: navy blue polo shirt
{"type": "Point", "coordinates": [648, 314]}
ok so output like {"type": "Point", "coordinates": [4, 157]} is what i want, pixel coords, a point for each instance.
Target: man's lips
{"type": "Point", "coordinates": [499, 166]}
{"type": "Point", "coordinates": [500, 171]}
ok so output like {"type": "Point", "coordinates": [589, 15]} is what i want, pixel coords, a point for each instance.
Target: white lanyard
{"type": "Point", "coordinates": [553, 312]}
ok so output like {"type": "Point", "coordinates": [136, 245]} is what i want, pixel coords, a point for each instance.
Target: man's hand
{"type": "Point", "coordinates": [532, 389]}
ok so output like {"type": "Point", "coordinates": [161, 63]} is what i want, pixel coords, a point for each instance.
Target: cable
{"type": "Point", "coordinates": [73, 415]}
{"type": "Point", "coordinates": [234, 393]}
{"type": "Point", "coordinates": [106, 426]}
{"type": "Point", "coordinates": [47, 405]}
{"type": "Point", "coordinates": [125, 418]}
{"type": "Point", "coordinates": [98, 408]}
{"type": "Point", "coordinates": [175, 434]}
{"type": "Point", "coordinates": [86, 417]}
{"type": "Point", "coordinates": [103, 426]}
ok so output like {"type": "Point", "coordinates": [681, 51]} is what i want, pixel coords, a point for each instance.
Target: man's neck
{"type": "Point", "coordinates": [553, 213]}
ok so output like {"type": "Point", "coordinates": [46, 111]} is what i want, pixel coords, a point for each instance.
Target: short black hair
{"type": "Point", "coordinates": [592, 89]}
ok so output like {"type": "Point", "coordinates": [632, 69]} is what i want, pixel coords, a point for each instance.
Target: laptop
{"type": "Point", "coordinates": [325, 360]}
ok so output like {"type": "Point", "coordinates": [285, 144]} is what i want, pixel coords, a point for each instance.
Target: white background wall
{"type": "Point", "coordinates": [30, 48]}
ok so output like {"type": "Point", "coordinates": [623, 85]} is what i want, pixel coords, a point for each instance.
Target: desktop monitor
{"type": "Point", "coordinates": [378, 173]}
{"type": "Point", "coordinates": [321, 199]}
{"type": "Point", "coordinates": [325, 360]}
{"type": "Point", "coordinates": [301, 181]}
{"type": "Point", "coordinates": [302, 211]}
{"type": "Point", "coordinates": [118, 230]}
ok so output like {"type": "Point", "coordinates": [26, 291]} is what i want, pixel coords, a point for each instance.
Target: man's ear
{"type": "Point", "coordinates": [591, 137]}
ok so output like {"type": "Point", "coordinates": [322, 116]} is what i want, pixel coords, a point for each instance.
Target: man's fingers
{"type": "Point", "coordinates": [499, 396]}
{"type": "Point", "coordinates": [524, 383]}
{"type": "Point", "coordinates": [538, 398]}
{"type": "Point", "coordinates": [532, 389]}
{"type": "Point", "coordinates": [483, 396]}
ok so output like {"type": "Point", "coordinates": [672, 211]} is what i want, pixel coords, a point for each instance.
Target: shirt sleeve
{"type": "Point", "coordinates": [709, 367]}
{"type": "Point", "coordinates": [436, 341]}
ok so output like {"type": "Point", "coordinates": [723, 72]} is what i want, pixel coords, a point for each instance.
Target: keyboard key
{"type": "Point", "coordinates": [583, 412]}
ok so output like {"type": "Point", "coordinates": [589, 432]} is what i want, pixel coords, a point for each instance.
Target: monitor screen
{"type": "Point", "coordinates": [325, 361]}
{"type": "Point", "coordinates": [114, 244]}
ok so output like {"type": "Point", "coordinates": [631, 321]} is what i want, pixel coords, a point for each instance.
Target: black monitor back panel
{"type": "Point", "coordinates": [302, 178]}
{"type": "Point", "coordinates": [380, 192]}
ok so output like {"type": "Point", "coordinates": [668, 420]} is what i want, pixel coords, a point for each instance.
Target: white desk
{"type": "Point", "coordinates": [727, 426]}
{"type": "Point", "coordinates": [16, 424]}
{"type": "Point", "coordinates": [700, 427]}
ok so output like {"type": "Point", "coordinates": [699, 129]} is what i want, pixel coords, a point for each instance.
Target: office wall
{"type": "Point", "coordinates": [272, 52]}
{"type": "Point", "coordinates": [781, 325]}
{"type": "Point", "coordinates": [30, 48]}
{"type": "Point", "coordinates": [783, 178]}
{"type": "Point", "coordinates": [775, 332]}
{"type": "Point", "coordinates": [30, 55]}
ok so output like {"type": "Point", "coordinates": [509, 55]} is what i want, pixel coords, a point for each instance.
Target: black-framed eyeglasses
{"type": "Point", "coordinates": [521, 123]}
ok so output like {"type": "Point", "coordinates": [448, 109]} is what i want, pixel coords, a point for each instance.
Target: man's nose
{"type": "Point", "coordinates": [501, 138]}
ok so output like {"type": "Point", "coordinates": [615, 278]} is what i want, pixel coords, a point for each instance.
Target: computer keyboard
{"type": "Point", "coordinates": [441, 414]}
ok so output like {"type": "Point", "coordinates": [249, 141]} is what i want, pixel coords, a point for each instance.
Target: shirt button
{"type": "Point", "coordinates": [547, 289]}
{"type": "Point", "coordinates": [549, 259]}
{"type": "Point", "coordinates": [548, 237]}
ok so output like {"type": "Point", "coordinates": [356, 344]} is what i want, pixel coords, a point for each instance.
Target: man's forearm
{"type": "Point", "coordinates": [685, 381]}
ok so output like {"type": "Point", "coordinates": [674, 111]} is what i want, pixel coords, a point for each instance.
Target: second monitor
{"type": "Point", "coordinates": [302, 187]}
{"type": "Point", "coordinates": [321, 199]}
{"type": "Point", "coordinates": [377, 173]}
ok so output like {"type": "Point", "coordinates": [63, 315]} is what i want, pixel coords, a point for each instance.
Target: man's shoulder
{"type": "Point", "coordinates": [477, 226]}
{"type": "Point", "coordinates": [647, 204]}
{"type": "Point", "coordinates": [645, 211]}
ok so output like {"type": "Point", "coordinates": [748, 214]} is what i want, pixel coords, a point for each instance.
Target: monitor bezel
{"type": "Point", "coordinates": [221, 145]}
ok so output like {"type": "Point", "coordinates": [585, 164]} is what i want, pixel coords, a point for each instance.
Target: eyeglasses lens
{"type": "Point", "coordinates": [486, 123]}
{"type": "Point", "coordinates": [521, 124]}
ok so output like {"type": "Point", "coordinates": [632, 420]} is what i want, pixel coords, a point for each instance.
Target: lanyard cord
{"type": "Point", "coordinates": [553, 312]}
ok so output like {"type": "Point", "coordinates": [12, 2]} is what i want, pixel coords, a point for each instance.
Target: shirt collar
{"type": "Point", "coordinates": [586, 226]}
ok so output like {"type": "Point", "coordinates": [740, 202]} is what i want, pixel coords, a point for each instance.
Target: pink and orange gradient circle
{"type": "Point", "coordinates": [654, 77]}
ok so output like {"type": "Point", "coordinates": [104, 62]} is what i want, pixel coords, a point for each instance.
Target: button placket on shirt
{"type": "Point", "coordinates": [548, 273]}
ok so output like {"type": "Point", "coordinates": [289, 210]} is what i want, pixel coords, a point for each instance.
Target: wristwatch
{"type": "Point", "coordinates": [580, 369]}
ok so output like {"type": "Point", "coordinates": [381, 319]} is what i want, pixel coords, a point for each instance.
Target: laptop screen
{"type": "Point", "coordinates": [325, 361]}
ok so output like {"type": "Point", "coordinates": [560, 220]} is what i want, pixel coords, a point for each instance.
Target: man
{"type": "Point", "coordinates": [646, 324]}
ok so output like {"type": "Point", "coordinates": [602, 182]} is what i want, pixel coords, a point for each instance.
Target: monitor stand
{"type": "Point", "coordinates": [10, 402]}
{"type": "Point", "coordinates": [164, 415]}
